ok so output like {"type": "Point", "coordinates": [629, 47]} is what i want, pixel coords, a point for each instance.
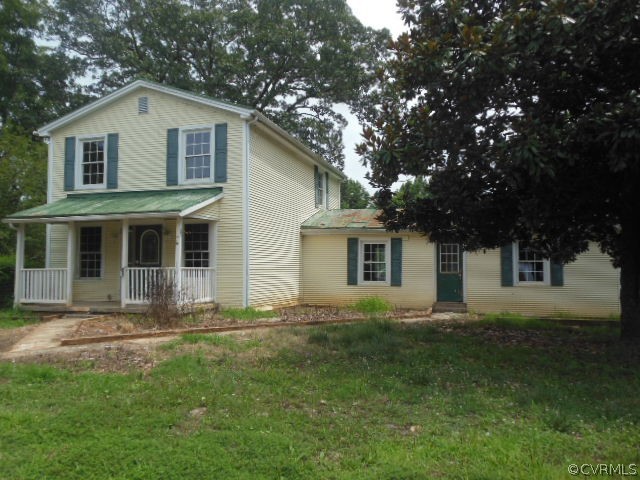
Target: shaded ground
{"type": "Point", "coordinates": [144, 354]}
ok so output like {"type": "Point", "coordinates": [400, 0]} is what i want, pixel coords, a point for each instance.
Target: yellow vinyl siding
{"type": "Point", "coordinates": [210, 212]}
{"type": "Point", "coordinates": [142, 166]}
{"type": "Point", "coordinates": [325, 272]}
{"type": "Point", "coordinates": [58, 246]}
{"type": "Point", "coordinates": [143, 138]}
{"type": "Point", "coordinates": [334, 193]}
{"type": "Point", "coordinates": [282, 196]}
{"type": "Point", "coordinates": [591, 288]}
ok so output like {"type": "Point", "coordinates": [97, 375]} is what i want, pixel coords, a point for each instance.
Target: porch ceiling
{"type": "Point", "coordinates": [113, 205]}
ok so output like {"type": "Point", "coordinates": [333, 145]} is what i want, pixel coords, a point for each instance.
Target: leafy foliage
{"type": "Point", "coordinates": [525, 118]}
{"type": "Point", "coordinates": [23, 184]}
{"type": "Point", "coordinates": [372, 305]}
{"type": "Point", "coordinates": [354, 195]}
{"type": "Point", "coordinates": [36, 85]}
{"type": "Point", "coordinates": [291, 59]}
{"type": "Point", "coordinates": [411, 191]}
{"type": "Point", "coordinates": [35, 81]}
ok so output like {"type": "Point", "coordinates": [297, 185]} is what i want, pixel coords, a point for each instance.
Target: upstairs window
{"type": "Point", "coordinates": [91, 167]}
{"type": "Point", "coordinates": [196, 161]}
{"type": "Point", "coordinates": [321, 188]}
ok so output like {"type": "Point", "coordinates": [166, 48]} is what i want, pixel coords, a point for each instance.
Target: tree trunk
{"type": "Point", "coordinates": [630, 280]}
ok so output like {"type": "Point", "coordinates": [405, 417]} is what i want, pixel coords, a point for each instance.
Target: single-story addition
{"type": "Point", "coordinates": [349, 255]}
{"type": "Point", "coordinates": [154, 182]}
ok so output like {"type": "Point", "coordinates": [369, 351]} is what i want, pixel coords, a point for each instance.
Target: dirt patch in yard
{"type": "Point", "coordinates": [142, 355]}
{"type": "Point", "coordinates": [9, 336]}
{"type": "Point", "coordinates": [134, 324]}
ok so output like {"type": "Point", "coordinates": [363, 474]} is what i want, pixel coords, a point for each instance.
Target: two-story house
{"type": "Point", "coordinates": [152, 182]}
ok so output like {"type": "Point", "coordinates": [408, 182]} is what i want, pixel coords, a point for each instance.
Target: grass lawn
{"type": "Point", "coordinates": [13, 318]}
{"type": "Point", "coordinates": [374, 400]}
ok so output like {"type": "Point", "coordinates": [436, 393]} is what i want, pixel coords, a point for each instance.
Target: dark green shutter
{"type": "Point", "coordinates": [220, 159]}
{"type": "Point", "coordinates": [396, 262]}
{"type": "Point", "coordinates": [506, 265]}
{"type": "Point", "coordinates": [112, 160]}
{"type": "Point", "coordinates": [326, 187]}
{"type": "Point", "coordinates": [352, 261]}
{"type": "Point", "coordinates": [69, 163]}
{"type": "Point", "coordinates": [557, 274]}
{"type": "Point", "coordinates": [172, 156]}
{"type": "Point", "coordinates": [316, 173]}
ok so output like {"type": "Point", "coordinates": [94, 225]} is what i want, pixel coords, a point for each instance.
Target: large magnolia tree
{"type": "Point", "coordinates": [525, 118]}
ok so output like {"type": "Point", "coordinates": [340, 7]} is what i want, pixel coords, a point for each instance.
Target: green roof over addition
{"type": "Point", "coordinates": [121, 204]}
{"type": "Point", "coordinates": [365, 218]}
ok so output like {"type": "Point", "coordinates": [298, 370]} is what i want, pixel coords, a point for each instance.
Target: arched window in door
{"type": "Point", "coordinates": [150, 247]}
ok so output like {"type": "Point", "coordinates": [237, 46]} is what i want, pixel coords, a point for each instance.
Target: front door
{"type": "Point", "coordinates": [449, 272]}
{"type": "Point", "coordinates": [145, 246]}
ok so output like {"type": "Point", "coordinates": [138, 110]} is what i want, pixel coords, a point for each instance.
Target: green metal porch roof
{"type": "Point", "coordinates": [364, 218]}
{"type": "Point", "coordinates": [119, 203]}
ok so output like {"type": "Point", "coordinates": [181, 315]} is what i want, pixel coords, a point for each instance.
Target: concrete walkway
{"type": "Point", "coordinates": [44, 337]}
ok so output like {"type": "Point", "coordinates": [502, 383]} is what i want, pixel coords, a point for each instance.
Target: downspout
{"type": "Point", "coordinates": [246, 293]}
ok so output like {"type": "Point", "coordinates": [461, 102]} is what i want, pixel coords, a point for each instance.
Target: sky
{"type": "Point", "coordinates": [376, 14]}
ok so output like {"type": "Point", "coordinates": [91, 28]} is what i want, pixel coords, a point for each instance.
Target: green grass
{"type": "Point", "coordinates": [227, 341]}
{"type": "Point", "coordinates": [372, 305]}
{"type": "Point", "coordinates": [515, 321]}
{"type": "Point", "coordinates": [14, 318]}
{"type": "Point", "coordinates": [361, 401]}
{"type": "Point", "coordinates": [247, 314]}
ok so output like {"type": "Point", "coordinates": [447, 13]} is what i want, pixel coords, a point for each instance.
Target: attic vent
{"type": "Point", "coordinates": [143, 104]}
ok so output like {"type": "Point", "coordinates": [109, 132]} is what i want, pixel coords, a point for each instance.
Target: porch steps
{"type": "Point", "coordinates": [454, 307]}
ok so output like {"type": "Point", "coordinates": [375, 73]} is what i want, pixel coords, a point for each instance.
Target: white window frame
{"type": "Point", "coordinates": [387, 257]}
{"type": "Point", "coordinates": [79, 185]}
{"type": "Point", "coordinates": [211, 243]}
{"type": "Point", "coordinates": [546, 269]}
{"type": "Point", "coordinates": [323, 198]}
{"type": "Point", "coordinates": [182, 149]}
{"type": "Point", "coordinates": [79, 256]}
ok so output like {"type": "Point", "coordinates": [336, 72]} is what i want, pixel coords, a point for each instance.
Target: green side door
{"type": "Point", "coordinates": [449, 272]}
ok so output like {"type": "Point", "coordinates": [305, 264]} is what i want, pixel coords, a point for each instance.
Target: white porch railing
{"type": "Point", "coordinates": [43, 285]}
{"type": "Point", "coordinates": [193, 285]}
{"type": "Point", "coordinates": [197, 284]}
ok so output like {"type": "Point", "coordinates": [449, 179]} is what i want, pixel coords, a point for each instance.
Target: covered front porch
{"type": "Point", "coordinates": [137, 245]}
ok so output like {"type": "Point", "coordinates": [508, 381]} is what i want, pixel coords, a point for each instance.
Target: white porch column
{"type": "Point", "coordinates": [17, 289]}
{"type": "Point", "coordinates": [71, 255]}
{"type": "Point", "coordinates": [124, 262]}
{"type": "Point", "coordinates": [179, 240]}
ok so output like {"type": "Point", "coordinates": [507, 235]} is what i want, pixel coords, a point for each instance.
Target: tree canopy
{"type": "Point", "coordinates": [36, 85]}
{"type": "Point", "coordinates": [354, 195]}
{"type": "Point", "coordinates": [36, 82]}
{"type": "Point", "coordinates": [291, 59]}
{"type": "Point", "coordinates": [525, 118]}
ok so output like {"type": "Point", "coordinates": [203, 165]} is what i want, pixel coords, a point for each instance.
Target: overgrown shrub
{"type": "Point", "coordinates": [7, 272]}
{"type": "Point", "coordinates": [247, 314]}
{"type": "Point", "coordinates": [373, 305]}
{"type": "Point", "coordinates": [163, 301]}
